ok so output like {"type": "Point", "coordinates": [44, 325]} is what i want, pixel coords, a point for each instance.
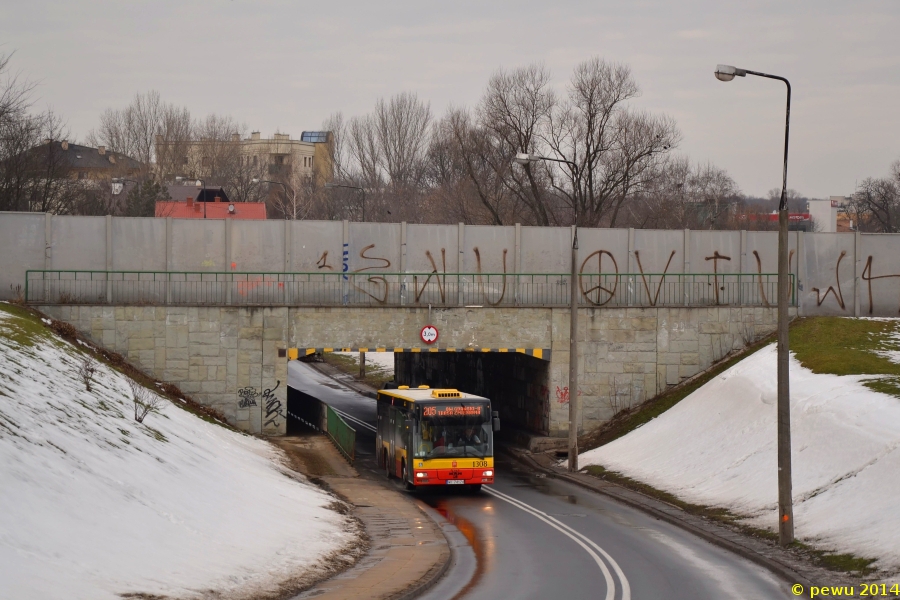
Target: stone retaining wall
{"type": "Point", "coordinates": [234, 358]}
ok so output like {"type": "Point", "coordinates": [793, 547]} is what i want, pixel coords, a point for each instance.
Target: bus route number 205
{"type": "Point", "coordinates": [479, 463]}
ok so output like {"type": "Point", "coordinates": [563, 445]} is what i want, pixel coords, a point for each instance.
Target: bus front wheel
{"type": "Point", "coordinates": [406, 482]}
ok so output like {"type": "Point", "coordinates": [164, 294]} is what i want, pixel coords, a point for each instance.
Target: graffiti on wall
{"type": "Point", "coordinates": [603, 294]}
{"type": "Point", "coordinates": [247, 397]}
{"type": "Point", "coordinates": [655, 297]}
{"type": "Point", "coordinates": [562, 394]}
{"type": "Point", "coordinates": [273, 406]}
{"type": "Point", "coordinates": [838, 295]}
{"type": "Point", "coordinates": [869, 278]}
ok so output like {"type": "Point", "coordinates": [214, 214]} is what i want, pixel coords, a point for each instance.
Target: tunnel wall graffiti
{"type": "Point", "coordinates": [837, 273]}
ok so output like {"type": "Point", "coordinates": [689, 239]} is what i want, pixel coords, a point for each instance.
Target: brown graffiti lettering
{"type": "Point", "coordinates": [481, 279]}
{"type": "Point", "coordinates": [322, 263]}
{"type": "Point", "coordinates": [716, 257]}
{"type": "Point", "coordinates": [434, 270]}
{"type": "Point", "coordinates": [867, 277]}
{"type": "Point", "coordinates": [759, 281]}
{"type": "Point", "coordinates": [377, 280]}
{"type": "Point", "coordinates": [762, 290]}
{"type": "Point", "coordinates": [599, 287]}
{"type": "Point", "coordinates": [837, 294]}
{"type": "Point", "coordinates": [644, 278]}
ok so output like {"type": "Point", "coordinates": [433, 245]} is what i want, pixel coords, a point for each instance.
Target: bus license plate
{"type": "Point", "coordinates": [455, 481]}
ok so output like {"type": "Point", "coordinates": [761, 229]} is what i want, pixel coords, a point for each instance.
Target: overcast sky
{"type": "Point", "coordinates": [287, 65]}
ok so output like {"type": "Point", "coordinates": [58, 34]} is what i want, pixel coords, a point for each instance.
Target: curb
{"type": "Point", "coordinates": [614, 491]}
{"type": "Point", "coordinates": [434, 574]}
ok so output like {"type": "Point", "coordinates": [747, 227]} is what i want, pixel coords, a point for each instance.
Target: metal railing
{"type": "Point", "coordinates": [343, 436]}
{"type": "Point", "coordinates": [401, 289]}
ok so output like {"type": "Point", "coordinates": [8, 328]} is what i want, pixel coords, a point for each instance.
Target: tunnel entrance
{"type": "Point", "coordinates": [516, 383]}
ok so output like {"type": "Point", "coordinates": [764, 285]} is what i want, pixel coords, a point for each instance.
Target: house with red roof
{"type": "Point", "coordinates": [207, 203]}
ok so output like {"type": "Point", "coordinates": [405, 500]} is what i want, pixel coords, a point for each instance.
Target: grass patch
{"type": "Point", "coordinates": [841, 346]}
{"type": "Point", "coordinates": [375, 377]}
{"type": "Point", "coordinates": [847, 563]}
{"type": "Point", "coordinates": [24, 328]}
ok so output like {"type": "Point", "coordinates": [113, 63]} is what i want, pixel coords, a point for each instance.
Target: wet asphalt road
{"type": "Point", "coordinates": [532, 537]}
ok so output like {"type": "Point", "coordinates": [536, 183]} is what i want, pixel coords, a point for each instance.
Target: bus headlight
{"type": "Point", "coordinates": [487, 474]}
{"type": "Point", "coordinates": [421, 475]}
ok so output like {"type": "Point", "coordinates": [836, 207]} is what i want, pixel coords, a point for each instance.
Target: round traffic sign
{"type": "Point", "coordinates": [429, 334]}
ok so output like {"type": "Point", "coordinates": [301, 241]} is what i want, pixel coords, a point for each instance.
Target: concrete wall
{"type": "Point", "coordinates": [221, 357]}
{"type": "Point", "coordinates": [829, 282]}
{"type": "Point", "coordinates": [228, 357]}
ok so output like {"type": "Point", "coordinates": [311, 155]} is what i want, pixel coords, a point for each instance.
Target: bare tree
{"type": "Point", "coordinates": [173, 142]}
{"type": "Point", "coordinates": [145, 401]}
{"type": "Point", "coordinates": [679, 194]}
{"type": "Point", "coordinates": [402, 125]}
{"type": "Point", "coordinates": [515, 110]}
{"type": "Point", "coordinates": [337, 144]}
{"type": "Point", "coordinates": [217, 152]}
{"type": "Point", "coordinates": [87, 368]}
{"type": "Point", "coordinates": [613, 147]}
{"type": "Point", "coordinates": [876, 203]}
{"type": "Point", "coordinates": [33, 167]}
{"type": "Point", "coordinates": [469, 170]}
{"type": "Point", "coordinates": [365, 148]}
{"type": "Point", "coordinates": [132, 130]}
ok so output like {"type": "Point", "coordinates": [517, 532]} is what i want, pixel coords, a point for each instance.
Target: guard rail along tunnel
{"type": "Point", "coordinates": [219, 307]}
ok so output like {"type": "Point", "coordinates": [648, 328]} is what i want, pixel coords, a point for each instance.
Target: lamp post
{"type": "Point", "coordinates": [785, 499]}
{"type": "Point", "coordinates": [527, 159]}
{"type": "Point", "coordinates": [330, 185]}
{"type": "Point", "coordinates": [201, 185]}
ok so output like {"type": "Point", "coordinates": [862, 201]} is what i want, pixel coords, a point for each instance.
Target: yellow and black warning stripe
{"type": "Point", "coordinates": [542, 353]}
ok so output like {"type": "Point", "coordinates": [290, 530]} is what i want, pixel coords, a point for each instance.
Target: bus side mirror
{"type": "Point", "coordinates": [496, 419]}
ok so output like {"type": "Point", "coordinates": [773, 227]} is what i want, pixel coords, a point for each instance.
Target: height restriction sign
{"type": "Point", "coordinates": [429, 334]}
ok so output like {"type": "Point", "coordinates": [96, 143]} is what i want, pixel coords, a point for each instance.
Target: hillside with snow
{"type": "Point", "coordinates": [96, 505]}
{"type": "Point", "coordinates": [717, 447]}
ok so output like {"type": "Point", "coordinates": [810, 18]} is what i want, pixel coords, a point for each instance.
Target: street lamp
{"type": "Point", "coordinates": [330, 185]}
{"type": "Point", "coordinates": [201, 185]}
{"type": "Point", "coordinates": [785, 499]}
{"type": "Point", "coordinates": [527, 159]}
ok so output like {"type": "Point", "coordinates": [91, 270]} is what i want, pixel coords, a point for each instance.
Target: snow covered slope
{"type": "Point", "coordinates": [95, 505]}
{"type": "Point", "coordinates": [717, 447]}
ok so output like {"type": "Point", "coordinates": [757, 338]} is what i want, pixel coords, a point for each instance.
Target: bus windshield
{"type": "Point", "coordinates": [454, 430]}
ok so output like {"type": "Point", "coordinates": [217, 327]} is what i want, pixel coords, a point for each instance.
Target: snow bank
{"type": "Point", "coordinates": [718, 447]}
{"type": "Point", "coordinates": [96, 505]}
{"type": "Point", "coordinates": [383, 361]}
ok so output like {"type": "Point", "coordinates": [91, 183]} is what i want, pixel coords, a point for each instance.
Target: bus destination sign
{"type": "Point", "coordinates": [453, 410]}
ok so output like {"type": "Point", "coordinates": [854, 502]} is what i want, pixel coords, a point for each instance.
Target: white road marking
{"type": "Point", "coordinates": [354, 419]}
{"type": "Point", "coordinates": [577, 537]}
